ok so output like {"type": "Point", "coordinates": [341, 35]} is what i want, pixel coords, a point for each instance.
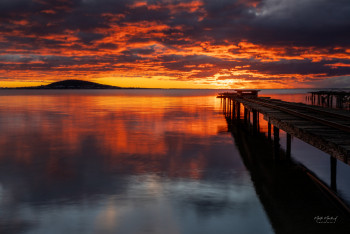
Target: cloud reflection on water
{"type": "Point", "coordinates": [127, 164]}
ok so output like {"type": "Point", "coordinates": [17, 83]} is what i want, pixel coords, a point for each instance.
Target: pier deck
{"type": "Point", "coordinates": [325, 128]}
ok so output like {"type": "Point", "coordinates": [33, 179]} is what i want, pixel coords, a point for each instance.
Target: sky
{"type": "Point", "coordinates": [176, 44]}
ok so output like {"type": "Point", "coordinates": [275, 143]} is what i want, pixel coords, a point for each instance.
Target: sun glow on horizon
{"type": "Point", "coordinates": [159, 82]}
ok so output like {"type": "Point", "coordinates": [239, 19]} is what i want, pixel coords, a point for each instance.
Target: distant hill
{"type": "Point", "coordinates": [73, 84]}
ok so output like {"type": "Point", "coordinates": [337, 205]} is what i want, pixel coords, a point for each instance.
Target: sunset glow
{"type": "Point", "coordinates": [156, 129]}
{"type": "Point", "coordinates": [176, 44]}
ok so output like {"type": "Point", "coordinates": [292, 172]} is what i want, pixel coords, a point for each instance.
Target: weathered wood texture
{"type": "Point", "coordinates": [334, 140]}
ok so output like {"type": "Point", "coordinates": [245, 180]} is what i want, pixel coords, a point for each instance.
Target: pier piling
{"type": "Point", "coordinates": [333, 173]}
{"type": "Point", "coordinates": [325, 98]}
{"type": "Point", "coordinates": [276, 142]}
{"type": "Point", "coordinates": [289, 145]}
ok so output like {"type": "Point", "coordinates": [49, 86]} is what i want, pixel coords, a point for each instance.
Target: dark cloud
{"type": "Point", "coordinates": [333, 82]}
{"type": "Point", "coordinates": [89, 37]}
{"type": "Point", "coordinates": [144, 51]}
{"type": "Point", "coordinates": [303, 22]}
{"type": "Point", "coordinates": [302, 67]}
{"type": "Point", "coordinates": [187, 63]}
{"type": "Point", "coordinates": [107, 46]}
{"type": "Point", "coordinates": [275, 22]}
{"type": "Point", "coordinates": [287, 22]}
{"type": "Point", "coordinates": [302, 28]}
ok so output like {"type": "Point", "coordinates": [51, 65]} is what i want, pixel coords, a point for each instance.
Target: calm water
{"type": "Point", "coordinates": [134, 161]}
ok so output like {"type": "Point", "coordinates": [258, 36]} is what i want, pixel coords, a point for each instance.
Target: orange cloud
{"type": "Point", "coordinates": [204, 44]}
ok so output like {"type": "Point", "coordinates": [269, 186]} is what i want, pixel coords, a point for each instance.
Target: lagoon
{"type": "Point", "coordinates": [133, 161]}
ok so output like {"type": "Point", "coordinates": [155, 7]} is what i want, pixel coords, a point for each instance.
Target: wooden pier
{"type": "Point", "coordinates": [290, 187]}
{"type": "Point", "coordinates": [324, 128]}
{"type": "Point", "coordinates": [338, 99]}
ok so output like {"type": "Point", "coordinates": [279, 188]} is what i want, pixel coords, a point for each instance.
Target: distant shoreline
{"type": "Point", "coordinates": [49, 88]}
{"type": "Point", "coordinates": [71, 84]}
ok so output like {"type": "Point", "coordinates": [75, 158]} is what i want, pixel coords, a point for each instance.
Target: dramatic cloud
{"type": "Point", "coordinates": [226, 43]}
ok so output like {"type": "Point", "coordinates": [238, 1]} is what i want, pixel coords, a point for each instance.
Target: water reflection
{"type": "Point", "coordinates": [116, 162]}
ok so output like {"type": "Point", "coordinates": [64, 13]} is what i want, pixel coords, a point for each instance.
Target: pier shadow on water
{"type": "Point", "coordinates": [295, 200]}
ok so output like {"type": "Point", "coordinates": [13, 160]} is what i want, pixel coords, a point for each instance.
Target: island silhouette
{"type": "Point", "coordinates": [72, 84]}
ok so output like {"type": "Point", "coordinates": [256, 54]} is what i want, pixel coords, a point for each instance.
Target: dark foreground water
{"type": "Point", "coordinates": [147, 161]}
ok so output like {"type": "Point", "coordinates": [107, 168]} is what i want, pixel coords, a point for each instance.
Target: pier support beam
{"type": "Point", "coordinates": [289, 146]}
{"type": "Point", "coordinates": [333, 173]}
{"type": "Point", "coordinates": [276, 142]}
{"type": "Point", "coordinates": [224, 106]}
{"type": "Point", "coordinates": [249, 113]}
{"type": "Point", "coordinates": [255, 121]}
{"type": "Point", "coordinates": [233, 109]}
{"type": "Point", "coordinates": [238, 111]}
{"type": "Point", "coordinates": [229, 108]}
{"type": "Point", "coordinates": [269, 131]}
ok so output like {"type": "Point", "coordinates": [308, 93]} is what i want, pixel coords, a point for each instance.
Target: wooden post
{"type": "Point", "coordinates": [289, 144]}
{"type": "Point", "coordinates": [337, 101]}
{"type": "Point", "coordinates": [276, 142]}
{"type": "Point", "coordinates": [238, 110]}
{"type": "Point", "coordinates": [269, 131]}
{"type": "Point", "coordinates": [331, 101]}
{"type": "Point", "coordinates": [233, 110]}
{"type": "Point", "coordinates": [225, 108]}
{"type": "Point", "coordinates": [224, 105]}
{"type": "Point", "coordinates": [229, 108]}
{"type": "Point", "coordinates": [341, 102]}
{"type": "Point", "coordinates": [333, 173]}
{"type": "Point", "coordinates": [315, 100]}
{"type": "Point", "coordinates": [258, 122]}
{"type": "Point", "coordinates": [249, 116]}
{"type": "Point", "coordinates": [328, 97]}
{"type": "Point", "coordinates": [255, 121]}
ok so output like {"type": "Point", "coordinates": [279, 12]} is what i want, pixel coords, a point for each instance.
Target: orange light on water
{"type": "Point", "coordinates": [117, 128]}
